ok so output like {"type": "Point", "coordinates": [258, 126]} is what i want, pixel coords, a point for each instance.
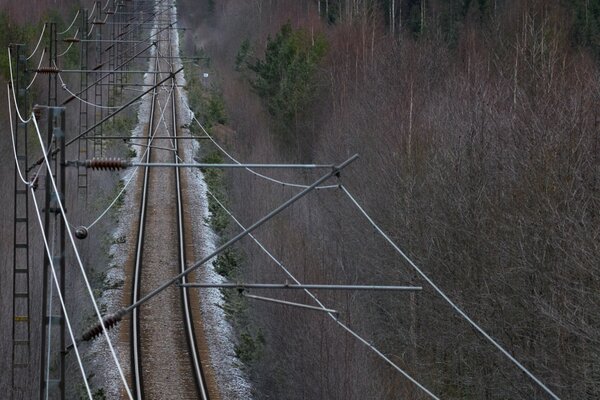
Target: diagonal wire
{"type": "Point", "coordinates": [12, 136]}
{"type": "Point", "coordinates": [70, 26]}
{"type": "Point", "coordinates": [446, 298]}
{"type": "Point", "coordinates": [70, 45]}
{"type": "Point", "coordinates": [38, 43]}
{"type": "Point", "coordinates": [12, 85]}
{"type": "Point", "coordinates": [91, 15]}
{"type": "Point", "coordinates": [332, 316]}
{"type": "Point", "coordinates": [36, 71]}
{"type": "Point", "coordinates": [78, 257]}
{"type": "Point", "coordinates": [60, 296]}
{"type": "Point", "coordinates": [297, 185]}
{"type": "Point", "coordinates": [131, 176]}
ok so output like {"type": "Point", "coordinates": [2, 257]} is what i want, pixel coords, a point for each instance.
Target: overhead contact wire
{"type": "Point", "coordinates": [70, 26]}
{"type": "Point", "coordinates": [297, 185]}
{"type": "Point", "coordinates": [316, 299]}
{"type": "Point", "coordinates": [38, 43]}
{"type": "Point", "coordinates": [12, 85]}
{"type": "Point", "coordinates": [446, 298]}
{"type": "Point", "coordinates": [130, 178]}
{"type": "Point", "coordinates": [36, 71]}
{"type": "Point", "coordinates": [70, 45]}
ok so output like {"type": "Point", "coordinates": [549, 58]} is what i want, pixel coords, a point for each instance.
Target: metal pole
{"type": "Point", "coordinates": [103, 77]}
{"type": "Point", "coordinates": [59, 134]}
{"type": "Point", "coordinates": [123, 107]}
{"type": "Point", "coordinates": [243, 286]}
{"type": "Point", "coordinates": [128, 138]}
{"type": "Point", "coordinates": [114, 71]}
{"type": "Point", "coordinates": [113, 319]}
{"type": "Point", "coordinates": [246, 232]}
{"type": "Point", "coordinates": [223, 166]}
{"type": "Point", "coordinates": [290, 303]}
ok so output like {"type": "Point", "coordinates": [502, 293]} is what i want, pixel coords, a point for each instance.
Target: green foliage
{"type": "Point", "coordinates": [11, 33]}
{"type": "Point", "coordinates": [215, 110]}
{"type": "Point", "coordinates": [227, 263]}
{"type": "Point", "coordinates": [285, 79]}
{"type": "Point", "coordinates": [99, 394]}
{"type": "Point", "coordinates": [586, 23]}
{"type": "Point", "coordinates": [208, 105]}
{"type": "Point", "coordinates": [120, 125]}
{"type": "Point", "coordinates": [249, 347]}
{"type": "Point", "coordinates": [219, 220]}
{"type": "Point", "coordinates": [241, 59]}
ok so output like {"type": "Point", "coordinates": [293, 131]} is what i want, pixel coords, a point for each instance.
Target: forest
{"type": "Point", "coordinates": [477, 128]}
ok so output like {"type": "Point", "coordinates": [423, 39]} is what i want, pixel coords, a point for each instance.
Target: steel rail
{"type": "Point", "coordinates": [185, 297]}
{"type": "Point", "coordinates": [334, 172]}
{"type": "Point", "coordinates": [107, 75]}
{"type": "Point", "coordinates": [136, 361]}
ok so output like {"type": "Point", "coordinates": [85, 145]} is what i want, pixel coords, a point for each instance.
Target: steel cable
{"type": "Point", "coordinates": [38, 43]}
{"type": "Point", "coordinates": [70, 26]}
{"type": "Point", "coordinates": [60, 296]}
{"type": "Point", "coordinates": [12, 137]}
{"type": "Point", "coordinates": [36, 71]}
{"type": "Point", "coordinates": [81, 267]}
{"type": "Point", "coordinates": [12, 85]}
{"type": "Point", "coordinates": [70, 45]}
{"type": "Point", "coordinates": [331, 315]}
{"type": "Point", "coordinates": [268, 178]}
{"type": "Point", "coordinates": [446, 298]}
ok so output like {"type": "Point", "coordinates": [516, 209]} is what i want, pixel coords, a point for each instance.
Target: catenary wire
{"type": "Point", "coordinates": [80, 263]}
{"type": "Point", "coordinates": [12, 85]}
{"type": "Point", "coordinates": [70, 45]}
{"type": "Point", "coordinates": [70, 26]}
{"type": "Point", "coordinates": [60, 296]}
{"type": "Point", "coordinates": [92, 12]}
{"type": "Point", "coordinates": [130, 178]}
{"type": "Point", "coordinates": [314, 297]}
{"type": "Point", "coordinates": [66, 88]}
{"type": "Point", "coordinates": [12, 137]}
{"type": "Point", "coordinates": [38, 43]}
{"type": "Point", "coordinates": [36, 71]}
{"type": "Point", "coordinates": [268, 178]}
{"type": "Point", "coordinates": [446, 298]}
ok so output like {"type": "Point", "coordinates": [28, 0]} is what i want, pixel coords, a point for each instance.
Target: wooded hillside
{"type": "Point", "coordinates": [477, 127]}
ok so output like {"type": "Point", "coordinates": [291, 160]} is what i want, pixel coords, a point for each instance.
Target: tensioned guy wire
{"type": "Point", "coordinates": [316, 299]}
{"type": "Point", "coordinates": [80, 263]}
{"type": "Point", "coordinates": [162, 114]}
{"type": "Point", "coordinates": [60, 296]}
{"type": "Point", "coordinates": [446, 298]}
{"type": "Point", "coordinates": [268, 178]}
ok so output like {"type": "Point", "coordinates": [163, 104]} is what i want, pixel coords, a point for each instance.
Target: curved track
{"type": "Point", "coordinates": [162, 331]}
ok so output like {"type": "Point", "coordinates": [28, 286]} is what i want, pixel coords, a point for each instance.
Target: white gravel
{"type": "Point", "coordinates": [231, 380]}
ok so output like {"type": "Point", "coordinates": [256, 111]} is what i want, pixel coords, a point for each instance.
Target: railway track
{"type": "Point", "coordinates": [165, 360]}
